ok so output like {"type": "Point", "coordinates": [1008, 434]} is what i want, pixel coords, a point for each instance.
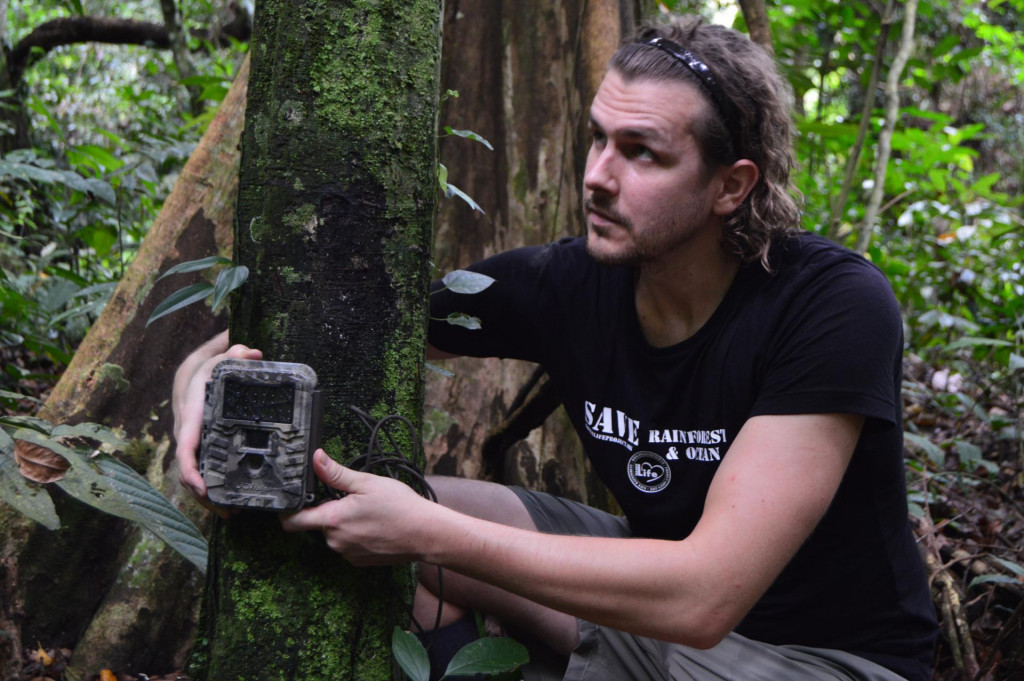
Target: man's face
{"type": "Point", "coordinates": [646, 189]}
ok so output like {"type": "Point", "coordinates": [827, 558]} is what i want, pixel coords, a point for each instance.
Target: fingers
{"type": "Point", "coordinates": [332, 473]}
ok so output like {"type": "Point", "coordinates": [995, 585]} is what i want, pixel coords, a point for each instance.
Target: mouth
{"type": "Point", "coordinates": [602, 216]}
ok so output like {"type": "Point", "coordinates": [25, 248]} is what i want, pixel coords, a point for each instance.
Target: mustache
{"type": "Point", "coordinates": [602, 207]}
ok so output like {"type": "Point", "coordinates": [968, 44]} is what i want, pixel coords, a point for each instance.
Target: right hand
{"type": "Point", "coordinates": [187, 402]}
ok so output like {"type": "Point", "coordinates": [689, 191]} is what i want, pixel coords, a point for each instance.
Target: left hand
{"type": "Point", "coordinates": [377, 523]}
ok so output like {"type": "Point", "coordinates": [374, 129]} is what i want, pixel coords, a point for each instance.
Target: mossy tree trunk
{"type": "Point", "coordinates": [336, 201]}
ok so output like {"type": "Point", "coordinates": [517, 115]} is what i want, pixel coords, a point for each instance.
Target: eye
{"type": "Point", "coordinates": [598, 138]}
{"type": "Point", "coordinates": [639, 151]}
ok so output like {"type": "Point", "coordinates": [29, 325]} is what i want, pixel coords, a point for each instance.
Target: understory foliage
{"type": "Point", "coordinates": [111, 127]}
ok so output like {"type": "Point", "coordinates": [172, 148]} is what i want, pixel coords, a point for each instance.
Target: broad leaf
{"type": "Point", "coordinates": [451, 190]}
{"type": "Point", "coordinates": [410, 655]}
{"type": "Point", "coordinates": [488, 656]}
{"type": "Point", "coordinates": [179, 299]}
{"type": "Point", "coordinates": [196, 265]}
{"type": "Point", "coordinates": [468, 134]}
{"type": "Point", "coordinates": [932, 450]}
{"type": "Point", "coordinates": [227, 281]}
{"type": "Point", "coordinates": [28, 498]}
{"type": "Point", "coordinates": [153, 510]}
{"type": "Point", "coordinates": [92, 431]}
{"type": "Point", "coordinates": [464, 281]}
{"type": "Point", "coordinates": [463, 320]}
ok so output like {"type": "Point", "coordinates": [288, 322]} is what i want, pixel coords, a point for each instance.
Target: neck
{"type": "Point", "coordinates": [676, 294]}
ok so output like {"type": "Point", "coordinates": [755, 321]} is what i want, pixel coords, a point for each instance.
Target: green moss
{"type": "Point", "coordinates": [113, 374]}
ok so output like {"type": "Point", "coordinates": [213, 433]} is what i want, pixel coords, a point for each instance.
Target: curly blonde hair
{"type": "Point", "coordinates": [762, 99]}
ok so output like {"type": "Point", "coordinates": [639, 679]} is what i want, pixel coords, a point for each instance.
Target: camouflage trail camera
{"type": "Point", "coordinates": [261, 425]}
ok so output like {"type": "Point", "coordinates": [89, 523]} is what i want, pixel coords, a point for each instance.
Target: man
{"type": "Point", "coordinates": [735, 384]}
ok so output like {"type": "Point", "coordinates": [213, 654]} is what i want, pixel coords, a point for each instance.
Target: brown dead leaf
{"type": "Point", "coordinates": [39, 463]}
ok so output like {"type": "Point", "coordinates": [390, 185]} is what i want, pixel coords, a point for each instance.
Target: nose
{"type": "Point", "coordinates": [600, 172]}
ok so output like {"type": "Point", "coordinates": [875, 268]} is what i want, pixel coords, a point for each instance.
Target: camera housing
{"type": "Point", "coordinates": [261, 425]}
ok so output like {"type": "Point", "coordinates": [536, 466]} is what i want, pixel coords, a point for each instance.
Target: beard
{"type": "Point", "coordinates": [652, 241]}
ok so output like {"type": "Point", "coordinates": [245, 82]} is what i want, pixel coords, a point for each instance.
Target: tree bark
{"type": "Point", "coordinates": [51, 583]}
{"type": "Point", "coordinates": [525, 73]}
{"type": "Point", "coordinates": [756, 16]}
{"type": "Point", "coordinates": [892, 107]}
{"type": "Point", "coordinates": [337, 196]}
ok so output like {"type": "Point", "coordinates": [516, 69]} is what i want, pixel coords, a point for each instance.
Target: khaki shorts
{"type": "Point", "coordinates": [610, 655]}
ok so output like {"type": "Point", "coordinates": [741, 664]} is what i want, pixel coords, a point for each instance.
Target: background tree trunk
{"type": "Point", "coordinates": [336, 200]}
{"type": "Point", "coordinates": [525, 73]}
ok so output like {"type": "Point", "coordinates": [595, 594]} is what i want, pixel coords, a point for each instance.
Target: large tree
{"type": "Point", "coordinates": [336, 201]}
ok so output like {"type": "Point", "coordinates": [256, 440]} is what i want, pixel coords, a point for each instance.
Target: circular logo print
{"type": "Point", "coordinates": [648, 472]}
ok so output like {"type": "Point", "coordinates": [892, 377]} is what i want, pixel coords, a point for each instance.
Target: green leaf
{"type": "Point", "coordinates": [970, 454]}
{"type": "Point", "coordinates": [992, 579]}
{"type": "Point", "coordinates": [451, 190]}
{"type": "Point", "coordinates": [1011, 566]}
{"type": "Point", "coordinates": [91, 431]}
{"type": "Point", "coordinates": [442, 177]}
{"type": "Point", "coordinates": [971, 342]}
{"type": "Point", "coordinates": [933, 451]}
{"type": "Point", "coordinates": [227, 281]}
{"type": "Point", "coordinates": [94, 156]}
{"type": "Point", "coordinates": [7, 394]}
{"type": "Point", "coordinates": [179, 299]}
{"type": "Point", "coordinates": [410, 655]}
{"type": "Point", "coordinates": [488, 656]}
{"type": "Point", "coordinates": [464, 281]}
{"type": "Point", "coordinates": [27, 497]}
{"type": "Point", "coordinates": [196, 265]}
{"type": "Point", "coordinates": [102, 190]}
{"type": "Point", "coordinates": [464, 320]}
{"type": "Point", "coordinates": [153, 511]}
{"type": "Point", "coordinates": [468, 134]}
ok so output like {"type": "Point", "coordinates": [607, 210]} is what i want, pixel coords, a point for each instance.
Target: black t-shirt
{"type": "Point", "coordinates": [820, 334]}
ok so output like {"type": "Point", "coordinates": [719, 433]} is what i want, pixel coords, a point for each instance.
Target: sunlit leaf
{"type": "Point", "coordinates": [468, 134]}
{"type": "Point", "coordinates": [467, 282]}
{"type": "Point", "coordinates": [179, 299]}
{"type": "Point", "coordinates": [451, 190]}
{"type": "Point", "coordinates": [464, 320]}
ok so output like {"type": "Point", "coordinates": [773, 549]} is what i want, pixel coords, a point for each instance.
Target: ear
{"type": "Point", "coordinates": [737, 182]}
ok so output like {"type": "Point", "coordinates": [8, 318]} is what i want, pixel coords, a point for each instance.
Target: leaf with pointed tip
{"type": "Point", "coordinates": [464, 320]}
{"type": "Point", "coordinates": [179, 299]}
{"type": "Point", "coordinates": [410, 655]}
{"type": "Point", "coordinates": [451, 190]}
{"type": "Point", "coordinates": [466, 282]}
{"type": "Point", "coordinates": [488, 656]}
{"type": "Point", "coordinates": [468, 134]}
{"type": "Point", "coordinates": [196, 265]}
{"type": "Point", "coordinates": [227, 281]}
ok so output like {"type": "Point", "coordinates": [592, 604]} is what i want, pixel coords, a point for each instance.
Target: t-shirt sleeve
{"type": "Point", "coordinates": [509, 311]}
{"type": "Point", "coordinates": [838, 349]}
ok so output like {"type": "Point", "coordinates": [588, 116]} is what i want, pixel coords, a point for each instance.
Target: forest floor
{"type": "Point", "coordinates": [965, 474]}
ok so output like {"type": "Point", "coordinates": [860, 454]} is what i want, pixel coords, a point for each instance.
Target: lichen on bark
{"type": "Point", "coordinates": [334, 219]}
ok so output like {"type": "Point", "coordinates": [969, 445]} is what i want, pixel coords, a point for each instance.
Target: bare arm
{"type": "Point", "coordinates": [757, 514]}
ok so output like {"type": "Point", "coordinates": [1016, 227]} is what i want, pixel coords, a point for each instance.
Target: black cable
{"type": "Point", "coordinates": [393, 463]}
